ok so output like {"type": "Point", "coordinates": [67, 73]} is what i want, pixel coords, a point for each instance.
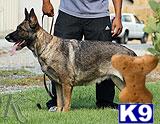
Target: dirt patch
{"type": "Point", "coordinates": [18, 80]}
{"type": "Point", "coordinates": [27, 81]}
{"type": "Point", "coordinates": [154, 76]}
{"type": "Point", "coordinates": [16, 88]}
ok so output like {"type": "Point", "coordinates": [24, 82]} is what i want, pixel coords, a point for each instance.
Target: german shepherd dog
{"type": "Point", "coordinates": [68, 62]}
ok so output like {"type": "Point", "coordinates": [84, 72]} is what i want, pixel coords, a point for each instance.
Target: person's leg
{"type": "Point", "coordinates": [53, 101]}
{"type": "Point", "coordinates": [105, 92]}
{"type": "Point", "coordinates": [100, 29]}
{"type": "Point", "coordinates": [67, 27]}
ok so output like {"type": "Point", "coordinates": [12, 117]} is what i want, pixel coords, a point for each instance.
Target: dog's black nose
{"type": "Point", "coordinates": [7, 37]}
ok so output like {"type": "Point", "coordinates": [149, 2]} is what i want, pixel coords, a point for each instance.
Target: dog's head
{"type": "Point", "coordinates": [25, 33]}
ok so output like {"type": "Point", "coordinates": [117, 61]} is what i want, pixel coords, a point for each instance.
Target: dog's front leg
{"type": "Point", "coordinates": [67, 93]}
{"type": "Point", "coordinates": [59, 92]}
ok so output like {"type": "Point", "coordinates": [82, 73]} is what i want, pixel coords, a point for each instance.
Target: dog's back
{"type": "Point", "coordinates": [89, 53]}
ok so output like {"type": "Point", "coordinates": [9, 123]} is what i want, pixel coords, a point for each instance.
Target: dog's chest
{"type": "Point", "coordinates": [49, 71]}
{"type": "Point", "coordinates": [52, 64]}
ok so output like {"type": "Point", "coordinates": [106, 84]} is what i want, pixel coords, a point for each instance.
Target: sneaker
{"type": "Point", "coordinates": [51, 103]}
{"type": "Point", "coordinates": [53, 109]}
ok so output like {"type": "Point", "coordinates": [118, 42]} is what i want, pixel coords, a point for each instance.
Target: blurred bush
{"type": "Point", "coordinates": [153, 27]}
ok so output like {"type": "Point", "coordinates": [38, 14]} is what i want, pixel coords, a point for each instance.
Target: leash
{"type": "Point", "coordinates": [51, 23]}
{"type": "Point", "coordinates": [47, 89]}
{"type": "Point", "coordinates": [44, 76]}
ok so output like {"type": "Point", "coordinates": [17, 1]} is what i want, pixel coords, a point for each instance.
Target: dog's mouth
{"type": "Point", "coordinates": [18, 46]}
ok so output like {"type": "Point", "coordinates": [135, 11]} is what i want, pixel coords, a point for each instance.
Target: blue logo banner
{"type": "Point", "coordinates": [135, 113]}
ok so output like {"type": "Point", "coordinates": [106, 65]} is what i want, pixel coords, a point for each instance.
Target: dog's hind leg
{"type": "Point", "coordinates": [67, 93]}
{"type": "Point", "coordinates": [60, 100]}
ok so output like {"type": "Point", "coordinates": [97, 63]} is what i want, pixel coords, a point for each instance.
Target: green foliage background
{"type": "Point", "coordinates": [153, 27]}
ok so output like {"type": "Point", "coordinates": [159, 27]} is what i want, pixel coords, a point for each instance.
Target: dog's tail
{"type": "Point", "coordinates": [120, 84]}
{"type": "Point", "coordinates": [132, 53]}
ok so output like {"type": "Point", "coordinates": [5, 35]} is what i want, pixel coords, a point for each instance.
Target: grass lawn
{"type": "Point", "coordinates": [83, 109]}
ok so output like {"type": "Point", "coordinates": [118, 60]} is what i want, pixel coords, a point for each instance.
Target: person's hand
{"type": "Point", "coordinates": [116, 27]}
{"type": "Point", "coordinates": [48, 9]}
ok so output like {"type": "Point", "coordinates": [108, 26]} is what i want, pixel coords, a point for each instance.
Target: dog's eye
{"type": "Point", "coordinates": [20, 29]}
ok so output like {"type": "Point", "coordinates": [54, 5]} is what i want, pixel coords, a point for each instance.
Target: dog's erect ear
{"type": "Point", "coordinates": [33, 21]}
{"type": "Point", "coordinates": [26, 14]}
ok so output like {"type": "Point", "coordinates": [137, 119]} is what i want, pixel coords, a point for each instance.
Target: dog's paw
{"type": "Point", "coordinates": [65, 109]}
